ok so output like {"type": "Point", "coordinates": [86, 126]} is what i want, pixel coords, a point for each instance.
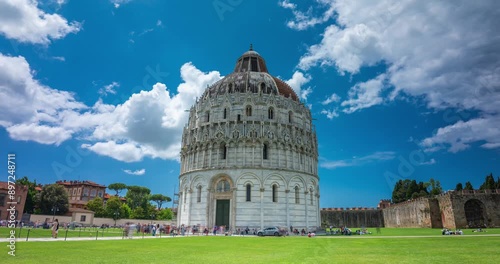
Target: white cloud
{"type": "Point", "coordinates": [159, 23]}
{"type": "Point", "coordinates": [109, 89]}
{"type": "Point", "coordinates": [148, 124]}
{"type": "Point", "coordinates": [330, 114]}
{"type": "Point", "coordinates": [364, 95]}
{"type": "Point", "coordinates": [305, 20]}
{"type": "Point", "coordinates": [32, 111]}
{"type": "Point", "coordinates": [297, 81]}
{"type": "Point", "coordinates": [443, 51]}
{"type": "Point", "coordinates": [136, 172]}
{"type": "Point", "coordinates": [355, 161]}
{"type": "Point", "coordinates": [460, 135]}
{"type": "Point", "coordinates": [118, 3]}
{"type": "Point", "coordinates": [334, 98]}
{"type": "Point", "coordinates": [39, 133]}
{"type": "Point", "coordinates": [430, 162]}
{"type": "Point", "coordinates": [23, 21]}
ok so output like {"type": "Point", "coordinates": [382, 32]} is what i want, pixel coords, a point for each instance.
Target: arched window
{"type": "Point", "coordinates": [248, 110]}
{"type": "Point", "coordinates": [290, 117]}
{"type": "Point", "coordinates": [224, 116]}
{"type": "Point", "coordinates": [198, 197]}
{"type": "Point", "coordinates": [265, 151]}
{"type": "Point", "coordinates": [223, 151]}
{"type": "Point", "coordinates": [297, 200]}
{"type": "Point", "coordinates": [249, 192]}
{"type": "Point", "coordinates": [270, 113]}
{"type": "Point", "coordinates": [230, 88]}
{"type": "Point", "coordinates": [275, 193]}
{"type": "Point", "coordinates": [207, 116]}
{"type": "Point", "coordinates": [312, 196]}
{"type": "Point", "coordinates": [223, 186]}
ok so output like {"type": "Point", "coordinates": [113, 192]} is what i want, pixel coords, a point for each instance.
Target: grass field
{"type": "Point", "coordinates": [389, 248]}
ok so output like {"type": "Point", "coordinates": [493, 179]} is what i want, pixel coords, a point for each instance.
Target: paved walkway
{"type": "Point", "coordinates": [151, 237]}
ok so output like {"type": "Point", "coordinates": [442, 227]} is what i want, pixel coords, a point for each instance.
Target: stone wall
{"type": "Point", "coordinates": [446, 210]}
{"type": "Point", "coordinates": [356, 217]}
{"type": "Point", "coordinates": [414, 213]}
{"type": "Point", "coordinates": [490, 200]}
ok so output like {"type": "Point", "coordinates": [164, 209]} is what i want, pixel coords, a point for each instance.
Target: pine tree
{"type": "Point", "coordinates": [459, 187]}
{"type": "Point", "coordinates": [468, 186]}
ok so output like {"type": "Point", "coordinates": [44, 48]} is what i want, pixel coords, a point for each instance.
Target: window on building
{"type": "Point", "coordinates": [290, 117]}
{"type": "Point", "coordinates": [79, 191]}
{"type": "Point", "coordinates": [239, 117]}
{"type": "Point", "coordinates": [74, 192]}
{"type": "Point", "coordinates": [265, 151]}
{"type": "Point", "coordinates": [198, 197]}
{"type": "Point", "coordinates": [270, 113]}
{"type": "Point", "coordinates": [2, 199]}
{"type": "Point", "coordinates": [249, 192]}
{"type": "Point", "coordinates": [207, 116]}
{"type": "Point", "coordinates": [93, 193]}
{"type": "Point", "coordinates": [230, 88]}
{"type": "Point", "coordinates": [83, 218]}
{"type": "Point", "coordinates": [275, 193]}
{"type": "Point", "coordinates": [223, 186]}
{"type": "Point", "coordinates": [297, 200]}
{"type": "Point", "coordinates": [224, 116]}
{"type": "Point", "coordinates": [254, 64]}
{"type": "Point", "coordinates": [223, 151]}
{"type": "Point", "coordinates": [100, 194]}
{"type": "Point", "coordinates": [248, 110]}
{"type": "Point", "coordinates": [85, 192]}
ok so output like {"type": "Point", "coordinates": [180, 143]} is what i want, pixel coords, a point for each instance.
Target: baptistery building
{"type": "Point", "coordinates": [249, 154]}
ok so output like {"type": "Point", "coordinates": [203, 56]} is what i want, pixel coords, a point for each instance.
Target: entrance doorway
{"type": "Point", "coordinates": [474, 213]}
{"type": "Point", "coordinates": [222, 213]}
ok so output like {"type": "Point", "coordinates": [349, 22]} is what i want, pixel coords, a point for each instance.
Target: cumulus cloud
{"type": "Point", "coordinates": [136, 172]}
{"type": "Point", "coordinates": [297, 81]}
{"type": "Point", "coordinates": [21, 20]}
{"type": "Point", "coordinates": [32, 111]}
{"type": "Point", "coordinates": [443, 51]}
{"type": "Point", "coordinates": [118, 3]}
{"type": "Point", "coordinates": [378, 156]}
{"type": "Point", "coordinates": [148, 124]}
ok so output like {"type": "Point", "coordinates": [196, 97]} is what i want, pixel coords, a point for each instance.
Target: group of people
{"type": "Point", "coordinates": [447, 231]}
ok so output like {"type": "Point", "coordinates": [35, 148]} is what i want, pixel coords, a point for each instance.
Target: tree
{"type": "Point", "coordinates": [489, 183]}
{"type": "Point", "coordinates": [459, 187]}
{"type": "Point", "coordinates": [165, 214]}
{"type": "Point", "coordinates": [468, 186]}
{"type": "Point", "coordinates": [159, 199]}
{"type": "Point", "coordinates": [137, 196]}
{"type": "Point", "coordinates": [412, 192]}
{"type": "Point", "coordinates": [54, 200]}
{"type": "Point", "coordinates": [125, 211]}
{"type": "Point", "coordinates": [117, 187]}
{"type": "Point", "coordinates": [113, 208]}
{"type": "Point", "coordinates": [498, 182]}
{"type": "Point", "coordinates": [435, 187]}
{"type": "Point", "coordinates": [31, 198]}
{"type": "Point", "coordinates": [96, 205]}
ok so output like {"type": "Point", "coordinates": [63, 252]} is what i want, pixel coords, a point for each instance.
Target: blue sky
{"type": "Point", "coordinates": [96, 90]}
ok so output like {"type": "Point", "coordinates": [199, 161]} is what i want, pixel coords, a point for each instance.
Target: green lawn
{"type": "Point", "coordinates": [205, 250]}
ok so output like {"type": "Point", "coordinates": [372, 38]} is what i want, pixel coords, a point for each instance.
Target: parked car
{"type": "Point", "coordinates": [270, 231]}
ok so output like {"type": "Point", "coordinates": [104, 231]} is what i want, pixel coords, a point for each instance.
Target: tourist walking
{"type": "Point", "coordinates": [55, 228]}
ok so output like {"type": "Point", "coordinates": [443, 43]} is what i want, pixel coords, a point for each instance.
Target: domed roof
{"type": "Point", "coordinates": [250, 75]}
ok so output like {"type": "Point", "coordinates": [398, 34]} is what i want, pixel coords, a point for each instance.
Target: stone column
{"type": "Point", "coordinates": [188, 220]}
{"type": "Point", "coordinates": [305, 202]}
{"type": "Point", "coordinates": [262, 208]}
{"type": "Point", "coordinates": [287, 196]}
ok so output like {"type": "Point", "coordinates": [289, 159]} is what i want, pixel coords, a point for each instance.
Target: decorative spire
{"type": "Point", "coordinates": [251, 46]}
